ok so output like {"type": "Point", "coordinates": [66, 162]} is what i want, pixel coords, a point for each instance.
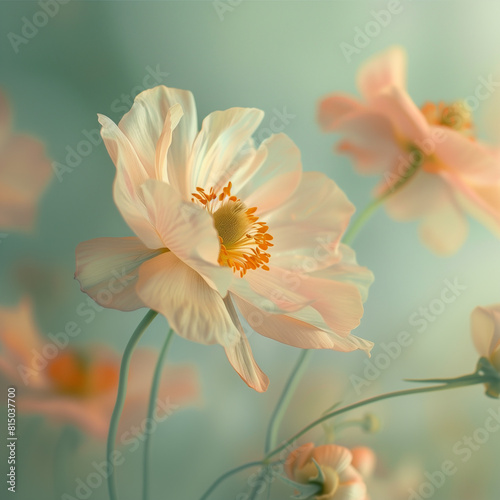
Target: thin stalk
{"type": "Point", "coordinates": [284, 401]}
{"type": "Point", "coordinates": [120, 398]}
{"type": "Point", "coordinates": [474, 380]}
{"type": "Point", "coordinates": [226, 475]}
{"type": "Point", "coordinates": [151, 410]}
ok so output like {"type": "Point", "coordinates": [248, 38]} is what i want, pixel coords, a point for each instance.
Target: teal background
{"type": "Point", "coordinates": [273, 56]}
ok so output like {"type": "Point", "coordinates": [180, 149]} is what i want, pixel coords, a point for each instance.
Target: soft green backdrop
{"type": "Point", "coordinates": [275, 56]}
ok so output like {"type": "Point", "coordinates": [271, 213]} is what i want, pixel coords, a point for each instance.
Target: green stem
{"type": "Point", "coordinates": [284, 401]}
{"type": "Point", "coordinates": [228, 474]}
{"type": "Point", "coordinates": [279, 413]}
{"type": "Point", "coordinates": [470, 381]}
{"type": "Point", "coordinates": [361, 220]}
{"type": "Point", "coordinates": [120, 398]}
{"type": "Point", "coordinates": [363, 217]}
{"type": "Point", "coordinates": [151, 409]}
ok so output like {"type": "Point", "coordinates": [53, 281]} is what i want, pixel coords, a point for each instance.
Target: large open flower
{"type": "Point", "coordinates": [222, 223]}
{"type": "Point", "coordinates": [432, 166]}
{"type": "Point", "coordinates": [25, 171]}
{"type": "Point", "coordinates": [78, 385]}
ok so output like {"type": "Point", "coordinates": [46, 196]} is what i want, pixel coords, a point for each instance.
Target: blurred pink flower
{"type": "Point", "coordinates": [196, 201]}
{"type": "Point", "coordinates": [341, 480]}
{"type": "Point", "coordinates": [433, 168]}
{"type": "Point", "coordinates": [79, 385]}
{"type": "Point", "coordinates": [485, 328]}
{"type": "Point", "coordinates": [25, 171]}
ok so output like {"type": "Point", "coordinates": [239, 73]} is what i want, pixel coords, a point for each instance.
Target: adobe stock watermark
{"type": "Point", "coordinates": [222, 7]}
{"type": "Point", "coordinates": [31, 27]}
{"type": "Point", "coordinates": [76, 154]}
{"type": "Point", "coordinates": [58, 341]}
{"type": "Point", "coordinates": [463, 449]}
{"type": "Point", "coordinates": [131, 440]}
{"type": "Point", "coordinates": [420, 321]}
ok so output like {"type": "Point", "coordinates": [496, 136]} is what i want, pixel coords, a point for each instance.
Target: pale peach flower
{"type": "Point", "coordinates": [434, 170]}
{"type": "Point", "coordinates": [364, 461]}
{"type": "Point", "coordinates": [25, 172]}
{"type": "Point", "coordinates": [341, 480]}
{"type": "Point", "coordinates": [223, 223]}
{"type": "Point", "coordinates": [485, 328]}
{"type": "Point", "coordinates": [78, 385]}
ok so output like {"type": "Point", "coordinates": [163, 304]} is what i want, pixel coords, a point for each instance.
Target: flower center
{"type": "Point", "coordinates": [456, 116]}
{"type": "Point", "coordinates": [244, 240]}
{"type": "Point", "coordinates": [71, 374]}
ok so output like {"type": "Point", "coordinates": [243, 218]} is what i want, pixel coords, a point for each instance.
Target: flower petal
{"type": "Point", "coordinates": [222, 137]}
{"type": "Point", "coordinates": [193, 309]}
{"type": "Point", "coordinates": [445, 229]}
{"type": "Point", "coordinates": [351, 491]}
{"type": "Point", "coordinates": [25, 172]}
{"type": "Point", "coordinates": [363, 460]}
{"type": "Point", "coordinates": [144, 124]}
{"type": "Point", "coordinates": [188, 231]}
{"type": "Point", "coordinates": [241, 358]}
{"type": "Point", "coordinates": [369, 139]}
{"type": "Point", "coordinates": [19, 336]}
{"type": "Point", "coordinates": [315, 217]}
{"type": "Point", "coordinates": [347, 270]}
{"type": "Point", "coordinates": [334, 108]}
{"type": "Point", "coordinates": [387, 69]}
{"type": "Point", "coordinates": [469, 159]}
{"type": "Point", "coordinates": [298, 458]}
{"type": "Point", "coordinates": [485, 329]}
{"type": "Point", "coordinates": [407, 119]}
{"type": "Point", "coordinates": [305, 329]}
{"type": "Point", "coordinates": [107, 269]}
{"type": "Point", "coordinates": [480, 201]}
{"type": "Point", "coordinates": [422, 194]}
{"type": "Point", "coordinates": [130, 174]}
{"type": "Point", "coordinates": [277, 177]}
{"type": "Point", "coordinates": [336, 457]}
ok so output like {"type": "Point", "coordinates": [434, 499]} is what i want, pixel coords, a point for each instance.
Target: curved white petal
{"type": "Point", "coordinates": [223, 136]}
{"type": "Point", "coordinates": [305, 329]}
{"type": "Point", "coordinates": [277, 177]}
{"type": "Point", "coordinates": [192, 308]}
{"type": "Point", "coordinates": [347, 270]}
{"type": "Point", "coordinates": [314, 217]}
{"type": "Point", "coordinates": [107, 269]}
{"type": "Point", "coordinates": [145, 123]}
{"type": "Point", "coordinates": [240, 355]}
{"type": "Point", "coordinates": [188, 231]}
{"type": "Point", "coordinates": [130, 174]}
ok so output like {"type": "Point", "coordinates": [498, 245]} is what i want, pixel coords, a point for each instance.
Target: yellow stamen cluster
{"type": "Point", "coordinates": [244, 240]}
{"type": "Point", "coordinates": [456, 116]}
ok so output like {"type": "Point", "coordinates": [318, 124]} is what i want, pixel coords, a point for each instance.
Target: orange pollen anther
{"type": "Point", "coordinates": [456, 116]}
{"type": "Point", "coordinates": [244, 240]}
